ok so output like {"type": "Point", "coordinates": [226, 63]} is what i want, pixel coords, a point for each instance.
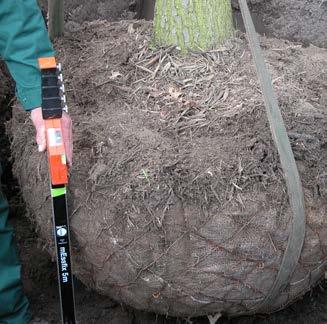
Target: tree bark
{"type": "Point", "coordinates": [192, 24]}
{"type": "Point", "coordinates": [56, 18]}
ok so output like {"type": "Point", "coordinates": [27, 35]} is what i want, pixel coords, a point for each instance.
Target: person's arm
{"type": "Point", "coordinates": [24, 39]}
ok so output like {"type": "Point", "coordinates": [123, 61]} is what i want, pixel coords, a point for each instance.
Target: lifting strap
{"type": "Point", "coordinates": [291, 174]}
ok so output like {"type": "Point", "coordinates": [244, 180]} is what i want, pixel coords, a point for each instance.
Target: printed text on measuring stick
{"type": "Point", "coordinates": [63, 264]}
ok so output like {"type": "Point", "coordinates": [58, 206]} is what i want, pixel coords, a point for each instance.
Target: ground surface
{"type": "Point", "coordinates": [40, 285]}
{"type": "Point", "coordinates": [79, 11]}
{"type": "Point", "coordinates": [298, 20]}
{"type": "Point", "coordinates": [40, 272]}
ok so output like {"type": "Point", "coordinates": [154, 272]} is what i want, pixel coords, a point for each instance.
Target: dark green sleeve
{"type": "Point", "coordinates": [23, 39]}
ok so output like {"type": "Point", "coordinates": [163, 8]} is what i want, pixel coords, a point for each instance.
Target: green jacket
{"type": "Point", "coordinates": [23, 39]}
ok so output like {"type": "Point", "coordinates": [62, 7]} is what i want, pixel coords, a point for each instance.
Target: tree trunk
{"type": "Point", "coordinates": [56, 18]}
{"type": "Point", "coordinates": [192, 24]}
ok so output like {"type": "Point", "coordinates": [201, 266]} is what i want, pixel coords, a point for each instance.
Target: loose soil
{"type": "Point", "coordinates": [169, 111]}
{"type": "Point", "coordinates": [297, 20]}
{"type": "Point", "coordinates": [79, 11]}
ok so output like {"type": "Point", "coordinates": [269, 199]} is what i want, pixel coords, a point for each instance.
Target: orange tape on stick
{"type": "Point", "coordinates": [47, 63]}
{"type": "Point", "coordinates": [56, 152]}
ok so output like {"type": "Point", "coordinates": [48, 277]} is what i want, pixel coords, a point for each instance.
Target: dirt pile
{"type": "Point", "coordinates": [177, 199]}
{"type": "Point", "coordinates": [6, 93]}
{"type": "Point", "coordinates": [5, 84]}
{"type": "Point", "coordinates": [298, 20]}
{"type": "Point", "coordinates": [79, 11]}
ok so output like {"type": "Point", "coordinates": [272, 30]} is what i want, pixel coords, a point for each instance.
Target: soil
{"type": "Point", "coordinates": [40, 283]}
{"type": "Point", "coordinates": [297, 20]}
{"type": "Point", "coordinates": [186, 120]}
{"type": "Point", "coordinates": [79, 11]}
{"type": "Point", "coordinates": [40, 272]}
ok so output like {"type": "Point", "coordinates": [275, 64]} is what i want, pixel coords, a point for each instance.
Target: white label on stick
{"type": "Point", "coordinates": [54, 137]}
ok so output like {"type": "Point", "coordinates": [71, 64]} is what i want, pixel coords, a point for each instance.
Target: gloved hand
{"type": "Point", "coordinates": [66, 124]}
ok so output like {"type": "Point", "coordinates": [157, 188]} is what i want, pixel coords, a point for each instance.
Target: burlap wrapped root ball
{"type": "Point", "coordinates": [177, 199]}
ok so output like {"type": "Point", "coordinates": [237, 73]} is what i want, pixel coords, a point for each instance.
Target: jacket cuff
{"type": "Point", "coordinates": [29, 98]}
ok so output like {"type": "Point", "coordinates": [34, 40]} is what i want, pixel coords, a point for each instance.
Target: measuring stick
{"type": "Point", "coordinates": [53, 104]}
